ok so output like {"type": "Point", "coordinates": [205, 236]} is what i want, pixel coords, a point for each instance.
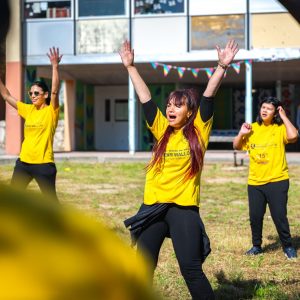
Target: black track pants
{"type": "Point", "coordinates": [183, 224]}
{"type": "Point", "coordinates": [44, 174]}
{"type": "Point", "coordinates": [275, 194]}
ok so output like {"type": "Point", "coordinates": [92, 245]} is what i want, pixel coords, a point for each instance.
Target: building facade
{"type": "Point", "coordinates": [174, 42]}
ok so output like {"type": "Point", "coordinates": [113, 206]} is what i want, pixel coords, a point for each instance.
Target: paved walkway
{"type": "Point", "coordinates": [93, 156]}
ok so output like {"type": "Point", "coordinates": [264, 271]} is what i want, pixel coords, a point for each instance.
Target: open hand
{"type": "Point", "coordinates": [227, 54]}
{"type": "Point", "coordinates": [54, 56]}
{"type": "Point", "coordinates": [127, 54]}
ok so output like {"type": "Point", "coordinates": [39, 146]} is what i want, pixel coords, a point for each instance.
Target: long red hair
{"type": "Point", "coordinates": [190, 132]}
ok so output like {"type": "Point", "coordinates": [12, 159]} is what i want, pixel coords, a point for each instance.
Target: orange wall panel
{"type": "Point", "coordinates": [278, 30]}
{"type": "Point", "coordinates": [13, 121]}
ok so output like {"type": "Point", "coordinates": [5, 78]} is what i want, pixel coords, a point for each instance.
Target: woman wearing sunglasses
{"type": "Point", "coordinates": [36, 160]}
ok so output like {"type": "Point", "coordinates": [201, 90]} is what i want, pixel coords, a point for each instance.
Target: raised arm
{"type": "Point", "coordinates": [238, 140]}
{"type": "Point", "coordinates": [54, 58]}
{"type": "Point", "coordinates": [127, 57]}
{"type": "Point", "coordinates": [7, 96]}
{"type": "Point", "coordinates": [225, 56]}
{"type": "Point", "coordinates": [291, 130]}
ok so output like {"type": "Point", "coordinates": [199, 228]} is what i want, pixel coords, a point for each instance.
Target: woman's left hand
{"type": "Point", "coordinates": [54, 56]}
{"type": "Point", "coordinates": [227, 54]}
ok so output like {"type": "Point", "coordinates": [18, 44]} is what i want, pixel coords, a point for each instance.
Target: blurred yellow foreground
{"type": "Point", "coordinates": [51, 252]}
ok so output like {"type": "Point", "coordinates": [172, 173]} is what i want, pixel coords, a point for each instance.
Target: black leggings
{"type": "Point", "coordinates": [184, 227]}
{"type": "Point", "coordinates": [44, 174]}
{"type": "Point", "coordinates": [275, 194]}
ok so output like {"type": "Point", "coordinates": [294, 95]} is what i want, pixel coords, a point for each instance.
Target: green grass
{"type": "Point", "coordinates": [114, 191]}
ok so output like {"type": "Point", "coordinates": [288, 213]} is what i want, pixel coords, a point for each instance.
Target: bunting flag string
{"type": "Point", "coordinates": [236, 67]}
{"type": "Point", "coordinates": [209, 72]}
{"type": "Point", "coordinates": [248, 62]}
{"type": "Point", "coordinates": [167, 69]}
{"type": "Point", "coordinates": [154, 65]}
{"type": "Point", "coordinates": [181, 71]}
{"type": "Point", "coordinates": [195, 71]}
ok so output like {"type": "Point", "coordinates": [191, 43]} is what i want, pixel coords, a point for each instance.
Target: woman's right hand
{"type": "Point", "coordinates": [245, 129]}
{"type": "Point", "coordinates": [54, 56]}
{"type": "Point", "coordinates": [127, 54]}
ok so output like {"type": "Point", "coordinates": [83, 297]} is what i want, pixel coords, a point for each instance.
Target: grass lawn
{"type": "Point", "coordinates": [114, 191]}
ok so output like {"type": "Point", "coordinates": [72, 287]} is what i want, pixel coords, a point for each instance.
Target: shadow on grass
{"type": "Point", "coordinates": [277, 245]}
{"type": "Point", "coordinates": [240, 289]}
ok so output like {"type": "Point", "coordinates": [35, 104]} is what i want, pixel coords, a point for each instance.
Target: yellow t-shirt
{"type": "Point", "coordinates": [168, 185]}
{"type": "Point", "coordinates": [39, 130]}
{"type": "Point", "coordinates": [266, 147]}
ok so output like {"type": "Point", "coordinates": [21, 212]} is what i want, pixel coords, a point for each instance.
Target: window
{"type": "Point", "coordinates": [47, 9]}
{"type": "Point", "coordinates": [101, 35]}
{"type": "Point", "coordinates": [121, 110]}
{"type": "Point", "coordinates": [107, 110]}
{"type": "Point", "coordinates": [208, 31]}
{"type": "Point", "coordinates": [91, 8]}
{"type": "Point", "coordinates": [142, 7]}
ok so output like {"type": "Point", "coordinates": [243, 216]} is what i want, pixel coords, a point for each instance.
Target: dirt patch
{"type": "Point", "coordinates": [235, 169]}
{"type": "Point", "coordinates": [103, 188]}
{"type": "Point", "coordinates": [226, 180]}
{"type": "Point", "coordinates": [109, 206]}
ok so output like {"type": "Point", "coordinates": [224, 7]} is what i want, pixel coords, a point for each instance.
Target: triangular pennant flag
{"type": "Point", "coordinates": [167, 68]}
{"type": "Point", "coordinates": [180, 71]}
{"type": "Point", "coordinates": [237, 67]}
{"type": "Point", "coordinates": [209, 71]}
{"type": "Point", "coordinates": [154, 65]}
{"type": "Point", "coordinates": [195, 72]}
{"type": "Point", "coordinates": [248, 62]}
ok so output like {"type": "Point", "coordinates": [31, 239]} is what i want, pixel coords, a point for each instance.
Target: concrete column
{"type": "Point", "coordinates": [69, 114]}
{"type": "Point", "coordinates": [131, 118]}
{"type": "Point", "coordinates": [248, 64]}
{"type": "Point", "coordinates": [14, 78]}
{"type": "Point", "coordinates": [278, 90]}
{"type": "Point", "coordinates": [248, 100]}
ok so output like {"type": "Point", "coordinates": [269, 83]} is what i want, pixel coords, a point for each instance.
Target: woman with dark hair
{"type": "Point", "coordinates": [172, 188]}
{"type": "Point", "coordinates": [36, 159]}
{"type": "Point", "coordinates": [268, 180]}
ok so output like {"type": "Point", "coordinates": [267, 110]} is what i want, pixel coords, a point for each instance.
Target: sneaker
{"type": "Point", "coordinates": [290, 252]}
{"type": "Point", "coordinates": [255, 250]}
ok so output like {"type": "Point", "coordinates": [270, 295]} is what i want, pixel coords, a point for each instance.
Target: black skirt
{"type": "Point", "coordinates": [147, 214]}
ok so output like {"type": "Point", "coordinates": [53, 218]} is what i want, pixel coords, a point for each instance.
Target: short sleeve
{"type": "Point", "coordinates": [204, 128]}
{"type": "Point", "coordinates": [55, 114]}
{"type": "Point", "coordinates": [159, 125]}
{"type": "Point", "coordinates": [285, 140]}
{"type": "Point", "coordinates": [23, 109]}
{"type": "Point", "coordinates": [245, 144]}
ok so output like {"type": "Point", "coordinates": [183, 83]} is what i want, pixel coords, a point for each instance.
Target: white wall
{"type": "Point", "coordinates": [2, 135]}
{"type": "Point", "coordinates": [159, 35]}
{"type": "Point", "coordinates": [112, 135]}
{"type": "Point", "coordinates": [217, 7]}
{"type": "Point", "coordinates": [223, 7]}
{"type": "Point", "coordinates": [58, 142]}
{"type": "Point", "coordinates": [41, 35]}
{"type": "Point", "coordinates": [266, 6]}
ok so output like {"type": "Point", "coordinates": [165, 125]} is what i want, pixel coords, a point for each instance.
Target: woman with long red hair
{"type": "Point", "coordinates": [172, 187]}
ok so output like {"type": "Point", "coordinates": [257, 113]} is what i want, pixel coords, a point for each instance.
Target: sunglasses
{"type": "Point", "coordinates": [35, 93]}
